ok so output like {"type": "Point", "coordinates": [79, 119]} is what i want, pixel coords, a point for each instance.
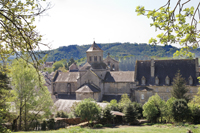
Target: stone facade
{"type": "Point", "coordinates": [98, 80]}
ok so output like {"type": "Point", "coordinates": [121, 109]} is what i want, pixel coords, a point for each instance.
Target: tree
{"type": "Point", "coordinates": [31, 98]}
{"type": "Point", "coordinates": [131, 113]}
{"type": "Point", "coordinates": [17, 31]}
{"type": "Point", "coordinates": [180, 110]}
{"type": "Point", "coordinates": [154, 108]}
{"type": "Point", "coordinates": [179, 24]}
{"type": "Point", "coordinates": [124, 100]}
{"type": "Point", "coordinates": [168, 110]}
{"type": "Point", "coordinates": [4, 94]}
{"type": "Point", "coordinates": [179, 89]}
{"type": "Point", "coordinates": [88, 110]}
{"type": "Point", "coordinates": [107, 116]}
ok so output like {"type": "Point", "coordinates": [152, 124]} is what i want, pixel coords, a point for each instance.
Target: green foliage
{"type": "Point", "coordinates": [4, 95]}
{"type": "Point", "coordinates": [124, 100]}
{"type": "Point", "coordinates": [195, 113]}
{"type": "Point", "coordinates": [44, 125]}
{"type": "Point", "coordinates": [114, 105]}
{"type": "Point", "coordinates": [51, 124]}
{"type": "Point", "coordinates": [168, 109]}
{"type": "Point", "coordinates": [180, 89]}
{"type": "Point", "coordinates": [131, 113]}
{"type": "Point", "coordinates": [88, 110]}
{"type": "Point", "coordinates": [178, 25]}
{"type": "Point", "coordinates": [107, 116]}
{"type": "Point", "coordinates": [154, 108]}
{"type": "Point", "coordinates": [59, 64]}
{"type": "Point", "coordinates": [180, 110]}
{"type": "Point", "coordinates": [17, 29]}
{"type": "Point", "coordinates": [184, 53]}
{"type": "Point", "coordinates": [30, 94]}
{"type": "Point", "coordinates": [98, 126]}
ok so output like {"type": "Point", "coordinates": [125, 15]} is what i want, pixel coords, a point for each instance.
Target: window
{"type": "Point", "coordinates": [69, 88]}
{"type": "Point", "coordinates": [113, 67]}
{"type": "Point", "coordinates": [167, 80]}
{"type": "Point", "coordinates": [142, 96]}
{"type": "Point", "coordinates": [95, 58]}
{"type": "Point", "coordinates": [190, 80]}
{"type": "Point", "coordinates": [90, 58]}
{"type": "Point", "coordinates": [143, 80]}
{"type": "Point", "coordinates": [109, 63]}
{"type": "Point", "coordinates": [156, 81]}
{"type": "Point", "coordinates": [99, 58]}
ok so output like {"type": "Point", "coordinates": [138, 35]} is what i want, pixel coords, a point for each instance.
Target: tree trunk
{"type": "Point", "coordinates": [20, 115]}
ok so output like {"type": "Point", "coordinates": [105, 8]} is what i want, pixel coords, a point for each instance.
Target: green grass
{"type": "Point", "coordinates": [157, 128]}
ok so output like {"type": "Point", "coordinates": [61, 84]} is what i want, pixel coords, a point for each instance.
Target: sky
{"type": "Point", "coordinates": [81, 22]}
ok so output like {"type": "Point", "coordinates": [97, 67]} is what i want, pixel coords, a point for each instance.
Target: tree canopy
{"type": "Point", "coordinates": [18, 35]}
{"type": "Point", "coordinates": [178, 23]}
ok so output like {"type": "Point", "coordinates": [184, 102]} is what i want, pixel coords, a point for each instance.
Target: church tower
{"type": "Point", "coordinates": [94, 54]}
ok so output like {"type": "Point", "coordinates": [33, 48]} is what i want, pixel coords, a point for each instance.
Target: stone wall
{"type": "Point", "coordinates": [89, 77]}
{"type": "Point", "coordinates": [63, 87]}
{"type": "Point", "coordinates": [97, 53]}
{"type": "Point", "coordinates": [82, 96]}
{"type": "Point", "coordinates": [163, 91]}
{"type": "Point", "coordinates": [116, 88]}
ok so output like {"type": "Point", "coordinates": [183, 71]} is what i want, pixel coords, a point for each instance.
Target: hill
{"type": "Point", "coordinates": [115, 49]}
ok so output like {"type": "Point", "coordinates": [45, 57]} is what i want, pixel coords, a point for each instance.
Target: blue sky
{"type": "Point", "coordinates": [80, 21]}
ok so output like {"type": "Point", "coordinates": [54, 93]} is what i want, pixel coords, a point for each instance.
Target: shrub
{"type": "Point", "coordinates": [107, 116]}
{"type": "Point", "coordinates": [44, 125]}
{"type": "Point", "coordinates": [51, 124]}
{"type": "Point", "coordinates": [108, 125]}
{"type": "Point", "coordinates": [98, 126]}
{"type": "Point", "coordinates": [180, 110]}
{"type": "Point", "coordinates": [130, 113]}
{"type": "Point", "coordinates": [195, 114]}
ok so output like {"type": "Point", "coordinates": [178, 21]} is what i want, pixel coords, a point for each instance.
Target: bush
{"type": "Point", "coordinates": [195, 114]}
{"type": "Point", "coordinates": [130, 113]}
{"type": "Point", "coordinates": [51, 124]}
{"type": "Point", "coordinates": [44, 125]}
{"type": "Point", "coordinates": [108, 125]}
{"type": "Point", "coordinates": [98, 126]}
{"type": "Point", "coordinates": [107, 116]}
{"type": "Point", "coordinates": [180, 110]}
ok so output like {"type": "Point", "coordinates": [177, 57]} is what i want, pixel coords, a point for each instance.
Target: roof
{"type": "Point", "coordinates": [109, 58]}
{"type": "Point", "coordinates": [94, 65]}
{"type": "Point", "coordinates": [117, 113]}
{"type": "Point", "coordinates": [94, 47]}
{"type": "Point", "coordinates": [73, 67]}
{"type": "Point", "coordinates": [164, 68]}
{"type": "Point", "coordinates": [67, 77]}
{"type": "Point", "coordinates": [86, 66]}
{"type": "Point", "coordinates": [143, 88]}
{"type": "Point", "coordinates": [119, 76]}
{"type": "Point", "coordinates": [86, 88]}
{"type": "Point", "coordinates": [65, 105]}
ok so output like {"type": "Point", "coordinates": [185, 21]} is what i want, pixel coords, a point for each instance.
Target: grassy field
{"type": "Point", "coordinates": [129, 129]}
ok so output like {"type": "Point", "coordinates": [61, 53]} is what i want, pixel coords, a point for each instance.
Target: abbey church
{"type": "Point", "coordinates": [102, 80]}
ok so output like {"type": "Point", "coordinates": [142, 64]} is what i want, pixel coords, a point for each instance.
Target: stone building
{"type": "Point", "coordinates": [101, 79]}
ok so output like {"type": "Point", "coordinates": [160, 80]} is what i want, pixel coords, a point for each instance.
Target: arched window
{"type": "Point", "coordinates": [109, 63]}
{"type": "Point", "coordinates": [90, 58]}
{"type": "Point", "coordinates": [190, 80]}
{"type": "Point", "coordinates": [143, 80]}
{"type": "Point", "coordinates": [113, 67]}
{"type": "Point", "coordinates": [99, 58]}
{"type": "Point", "coordinates": [157, 80]}
{"type": "Point", "coordinates": [167, 80]}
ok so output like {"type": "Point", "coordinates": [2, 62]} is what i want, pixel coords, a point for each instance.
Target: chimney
{"type": "Point", "coordinates": [152, 68]}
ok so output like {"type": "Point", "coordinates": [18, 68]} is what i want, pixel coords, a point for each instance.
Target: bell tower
{"type": "Point", "coordinates": [94, 54]}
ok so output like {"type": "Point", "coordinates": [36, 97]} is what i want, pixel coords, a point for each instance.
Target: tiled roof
{"type": "Point", "coordinates": [88, 88]}
{"type": "Point", "coordinates": [119, 76]}
{"type": "Point", "coordinates": [67, 77]}
{"type": "Point", "coordinates": [164, 68]}
{"type": "Point", "coordinates": [94, 47]}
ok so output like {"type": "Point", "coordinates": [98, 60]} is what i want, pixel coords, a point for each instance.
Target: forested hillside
{"type": "Point", "coordinates": [126, 53]}
{"type": "Point", "coordinates": [115, 49]}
